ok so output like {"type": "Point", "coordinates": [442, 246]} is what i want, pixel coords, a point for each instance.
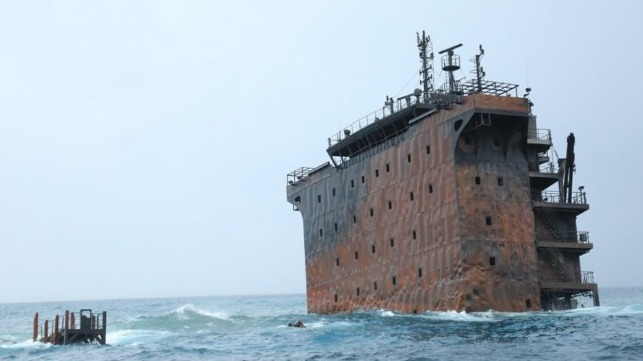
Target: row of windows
{"type": "Point", "coordinates": [393, 282]}
{"type": "Point", "coordinates": [487, 219]}
{"type": "Point", "coordinates": [477, 180]}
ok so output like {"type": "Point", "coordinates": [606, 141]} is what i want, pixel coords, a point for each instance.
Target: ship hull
{"type": "Point", "coordinates": [439, 217]}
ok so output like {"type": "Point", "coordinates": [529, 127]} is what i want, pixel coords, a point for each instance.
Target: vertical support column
{"type": "Point", "coordinates": [105, 327]}
{"type": "Point", "coordinates": [66, 326]}
{"type": "Point", "coordinates": [35, 327]}
{"type": "Point", "coordinates": [46, 331]}
{"type": "Point", "coordinates": [56, 320]}
{"type": "Point", "coordinates": [73, 321]}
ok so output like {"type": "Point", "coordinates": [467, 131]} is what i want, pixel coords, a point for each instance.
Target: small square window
{"type": "Point", "coordinates": [377, 172]}
{"type": "Point", "coordinates": [333, 192]}
{"type": "Point", "coordinates": [414, 235]}
{"type": "Point", "coordinates": [337, 261]}
{"type": "Point", "coordinates": [390, 205]}
{"type": "Point", "coordinates": [388, 168]}
{"type": "Point", "coordinates": [492, 261]}
{"type": "Point", "coordinates": [392, 242]}
{"type": "Point", "coordinates": [394, 281]}
{"type": "Point", "coordinates": [372, 248]}
{"type": "Point", "coordinates": [408, 157]}
{"type": "Point", "coordinates": [319, 198]}
{"type": "Point", "coordinates": [352, 183]}
{"type": "Point", "coordinates": [411, 195]}
{"type": "Point", "coordinates": [354, 219]}
{"type": "Point", "coordinates": [371, 212]}
{"type": "Point", "coordinates": [321, 232]}
{"type": "Point", "coordinates": [501, 181]}
{"type": "Point", "coordinates": [357, 290]}
{"type": "Point", "coordinates": [488, 220]}
{"type": "Point", "coordinates": [419, 272]}
{"type": "Point", "coordinates": [375, 286]}
{"type": "Point", "coordinates": [336, 298]}
{"type": "Point", "coordinates": [477, 180]}
{"type": "Point", "coordinates": [430, 188]}
{"type": "Point", "coordinates": [335, 227]}
{"type": "Point", "coordinates": [428, 149]}
{"type": "Point", "coordinates": [356, 255]}
{"type": "Point", "coordinates": [363, 180]}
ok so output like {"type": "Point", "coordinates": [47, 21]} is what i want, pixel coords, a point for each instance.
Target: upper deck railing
{"type": "Point", "coordinates": [299, 174]}
{"type": "Point", "coordinates": [436, 98]}
{"type": "Point", "coordinates": [390, 107]}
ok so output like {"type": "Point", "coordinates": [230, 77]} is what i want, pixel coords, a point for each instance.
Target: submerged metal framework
{"type": "Point", "coordinates": [442, 202]}
{"type": "Point", "coordinates": [91, 329]}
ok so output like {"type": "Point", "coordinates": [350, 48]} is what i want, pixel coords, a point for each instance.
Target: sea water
{"type": "Point", "coordinates": [255, 328]}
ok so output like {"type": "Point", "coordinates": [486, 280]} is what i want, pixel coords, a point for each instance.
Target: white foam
{"type": "Point", "coordinates": [134, 337]}
{"type": "Point", "coordinates": [25, 344]}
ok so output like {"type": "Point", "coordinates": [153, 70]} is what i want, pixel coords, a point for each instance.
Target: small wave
{"type": "Point", "coordinates": [184, 318]}
{"type": "Point", "coordinates": [189, 310]}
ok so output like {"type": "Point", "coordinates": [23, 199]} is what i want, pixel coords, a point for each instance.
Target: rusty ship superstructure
{"type": "Point", "coordinates": [447, 198]}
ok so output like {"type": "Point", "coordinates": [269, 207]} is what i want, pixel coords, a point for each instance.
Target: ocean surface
{"type": "Point", "coordinates": [255, 328]}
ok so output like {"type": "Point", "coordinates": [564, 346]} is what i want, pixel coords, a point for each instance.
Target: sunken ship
{"type": "Point", "coordinates": [448, 198]}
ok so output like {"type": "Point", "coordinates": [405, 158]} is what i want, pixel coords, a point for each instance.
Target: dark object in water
{"type": "Point", "coordinates": [296, 324]}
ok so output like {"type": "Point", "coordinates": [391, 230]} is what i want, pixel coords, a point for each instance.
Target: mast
{"type": "Point", "coordinates": [426, 55]}
{"type": "Point", "coordinates": [479, 72]}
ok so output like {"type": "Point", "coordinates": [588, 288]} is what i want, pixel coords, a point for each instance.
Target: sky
{"type": "Point", "coordinates": [144, 145]}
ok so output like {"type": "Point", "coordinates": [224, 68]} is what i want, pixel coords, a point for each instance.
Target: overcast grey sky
{"type": "Point", "coordinates": [144, 145]}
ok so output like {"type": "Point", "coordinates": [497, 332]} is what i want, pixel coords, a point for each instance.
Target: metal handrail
{"type": "Point", "coordinates": [555, 197]}
{"type": "Point", "coordinates": [540, 134]}
{"type": "Point", "coordinates": [587, 277]}
{"type": "Point", "coordinates": [574, 237]}
{"type": "Point", "coordinates": [299, 174]}
{"type": "Point", "coordinates": [547, 168]}
{"type": "Point", "coordinates": [390, 107]}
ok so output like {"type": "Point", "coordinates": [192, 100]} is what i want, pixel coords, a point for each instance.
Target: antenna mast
{"type": "Point", "coordinates": [426, 54]}
{"type": "Point", "coordinates": [479, 70]}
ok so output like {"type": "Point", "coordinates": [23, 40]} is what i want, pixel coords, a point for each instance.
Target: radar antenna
{"type": "Point", "coordinates": [451, 63]}
{"type": "Point", "coordinates": [479, 72]}
{"type": "Point", "coordinates": [426, 54]}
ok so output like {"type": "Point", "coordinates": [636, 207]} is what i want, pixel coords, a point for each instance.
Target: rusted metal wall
{"type": "Point", "coordinates": [405, 228]}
